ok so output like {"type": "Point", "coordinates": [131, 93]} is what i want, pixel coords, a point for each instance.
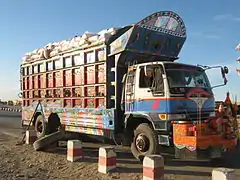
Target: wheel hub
{"type": "Point", "coordinates": [142, 143]}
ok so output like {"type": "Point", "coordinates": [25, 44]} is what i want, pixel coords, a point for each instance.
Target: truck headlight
{"type": "Point", "coordinates": [177, 116]}
{"type": "Point", "coordinates": [172, 116]}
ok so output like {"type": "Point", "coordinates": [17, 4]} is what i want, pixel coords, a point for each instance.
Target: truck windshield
{"type": "Point", "coordinates": [186, 77]}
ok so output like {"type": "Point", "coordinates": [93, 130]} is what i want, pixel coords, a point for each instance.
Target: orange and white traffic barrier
{"type": "Point", "coordinates": [107, 159]}
{"type": "Point", "coordinates": [74, 150]}
{"type": "Point", "coordinates": [223, 174]}
{"type": "Point", "coordinates": [31, 137]}
{"type": "Point", "coordinates": [153, 167]}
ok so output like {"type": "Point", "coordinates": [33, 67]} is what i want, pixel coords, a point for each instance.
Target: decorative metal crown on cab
{"type": "Point", "coordinates": [166, 22]}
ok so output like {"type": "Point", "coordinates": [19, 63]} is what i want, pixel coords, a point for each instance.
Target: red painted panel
{"type": "Point", "coordinates": [78, 102]}
{"type": "Point", "coordinates": [67, 103]}
{"type": "Point", "coordinates": [35, 94]}
{"type": "Point", "coordinates": [35, 82]}
{"type": "Point", "coordinates": [101, 102]}
{"type": "Point", "coordinates": [90, 72]}
{"type": "Point", "coordinates": [49, 80]}
{"type": "Point", "coordinates": [89, 102]}
{"type": "Point", "coordinates": [49, 93]}
{"type": "Point", "coordinates": [101, 91]}
{"type": "Point", "coordinates": [101, 73]}
{"type": "Point", "coordinates": [42, 93]}
{"type": "Point", "coordinates": [67, 92]}
{"type": "Point", "coordinates": [90, 91]}
{"type": "Point", "coordinates": [78, 76]}
{"type": "Point", "coordinates": [59, 78]}
{"type": "Point", "coordinates": [30, 83]}
{"type": "Point", "coordinates": [57, 93]}
{"type": "Point", "coordinates": [43, 81]}
{"type": "Point", "coordinates": [78, 92]}
{"type": "Point", "coordinates": [31, 94]}
{"type": "Point", "coordinates": [68, 78]}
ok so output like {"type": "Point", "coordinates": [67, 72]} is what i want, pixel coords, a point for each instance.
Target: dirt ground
{"type": "Point", "coordinates": [22, 162]}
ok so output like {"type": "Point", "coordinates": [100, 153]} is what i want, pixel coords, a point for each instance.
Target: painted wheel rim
{"type": "Point", "coordinates": [142, 143]}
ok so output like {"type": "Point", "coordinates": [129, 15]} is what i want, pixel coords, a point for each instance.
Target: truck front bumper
{"type": "Point", "coordinates": [202, 147]}
{"type": "Point", "coordinates": [200, 142]}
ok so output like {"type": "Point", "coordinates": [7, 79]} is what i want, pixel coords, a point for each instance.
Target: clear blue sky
{"type": "Point", "coordinates": [213, 31]}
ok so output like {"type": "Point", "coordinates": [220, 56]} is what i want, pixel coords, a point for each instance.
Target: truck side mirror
{"type": "Point", "coordinates": [224, 70]}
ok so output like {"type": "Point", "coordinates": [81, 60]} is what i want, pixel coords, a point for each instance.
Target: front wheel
{"type": "Point", "coordinates": [145, 142]}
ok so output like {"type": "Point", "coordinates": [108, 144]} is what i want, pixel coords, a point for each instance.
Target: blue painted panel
{"type": "Point", "coordinates": [171, 106]}
{"type": "Point", "coordinates": [161, 35]}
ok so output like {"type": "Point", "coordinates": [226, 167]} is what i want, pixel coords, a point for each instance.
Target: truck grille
{"type": "Point", "coordinates": [195, 116]}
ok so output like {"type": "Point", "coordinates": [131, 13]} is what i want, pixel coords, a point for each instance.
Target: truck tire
{"type": "Point", "coordinates": [145, 142]}
{"type": "Point", "coordinates": [217, 162]}
{"type": "Point", "coordinates": [43, 142]}
{"type": "Point", "coordinates": [40, 126]}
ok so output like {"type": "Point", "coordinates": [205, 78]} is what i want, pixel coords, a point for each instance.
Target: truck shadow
{"type": "Point", "coordinates": [126, 163]}
{"type": "Point", "coordinates": [230, 160]}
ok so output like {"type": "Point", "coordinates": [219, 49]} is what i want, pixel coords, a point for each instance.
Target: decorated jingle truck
{"type": "Point", "coordinates": [124, 84]}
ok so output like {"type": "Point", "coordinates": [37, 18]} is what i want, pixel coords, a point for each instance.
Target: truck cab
{"type": "Point", "coordinates": [159, 94]}
{"type": "Point", "coordinates": [168, 82]}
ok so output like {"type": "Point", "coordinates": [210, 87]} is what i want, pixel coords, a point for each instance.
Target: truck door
{"type": "Point", "coordinates": [150, 90]}
{"type": "Point", "coordinates": [130, 91]}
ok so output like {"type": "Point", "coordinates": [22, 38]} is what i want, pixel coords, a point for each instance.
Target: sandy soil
{"type": "Point", "coordinates": [22, 162]}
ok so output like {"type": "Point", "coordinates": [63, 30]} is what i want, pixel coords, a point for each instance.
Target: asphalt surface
{"type": "Point", "coordinates": [8, 106]}
{"type": "Point", "coordinates": [10, 124]}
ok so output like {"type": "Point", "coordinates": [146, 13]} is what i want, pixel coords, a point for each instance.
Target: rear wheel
{"type": "Point", "coordinates": [145, 142]}
{"type": "Point", "coordinates": [40, 126]}
{"type": "Point", "coordinates": [217, 162]}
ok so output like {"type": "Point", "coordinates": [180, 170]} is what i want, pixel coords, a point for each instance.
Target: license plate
{"type": "Point", "coordinates": [216, 153]}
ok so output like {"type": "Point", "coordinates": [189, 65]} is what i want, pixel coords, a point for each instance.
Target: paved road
{"type": "Point", "coordinates": [10, 124]}
{"type": "Point", "coordinates": [11, 107]}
